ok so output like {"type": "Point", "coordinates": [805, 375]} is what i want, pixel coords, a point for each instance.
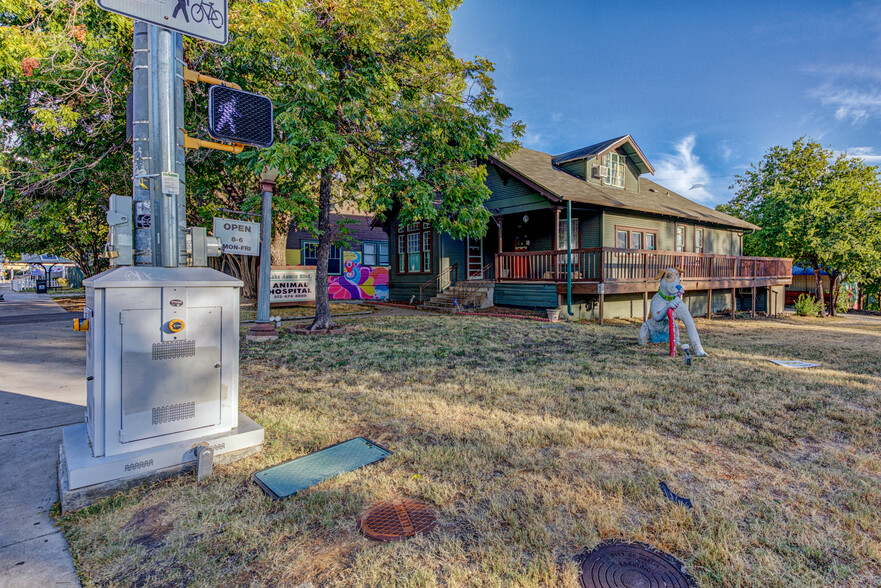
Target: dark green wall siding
{"type": "Point", "coordinates": [577, 168]}
{"type": "Point", "coordinates": [589, 226]}
{"type": "Point", "coordinates": [526, 295]}
{"type": "Point", "coordinates": [403, 286]}
{"type": "Point", "coordinates": [513, 197]}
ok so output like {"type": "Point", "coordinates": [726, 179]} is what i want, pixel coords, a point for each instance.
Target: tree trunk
{"type": "Point", "coordinates": [820, 295]}
{"type": "Point", "coordinates": [325, 240]}
{"type": "Point", "coordinates": [834, 291]}
{"type": "Point", "coordinates": [279, 245]}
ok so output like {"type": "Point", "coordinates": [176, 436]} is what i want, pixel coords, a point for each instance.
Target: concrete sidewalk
{"type": "Point", "coordinates": [42, 389]}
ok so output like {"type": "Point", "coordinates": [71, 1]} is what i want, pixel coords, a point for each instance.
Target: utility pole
{"type": "Point", "coordinates": [158, 147]}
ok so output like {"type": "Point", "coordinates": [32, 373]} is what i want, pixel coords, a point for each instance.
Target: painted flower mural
{"type": "Point", "coordinates": [359, 282]}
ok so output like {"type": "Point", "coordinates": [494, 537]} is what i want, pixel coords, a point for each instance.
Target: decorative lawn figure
{"type": "Point", "coordinates": [669, 296]}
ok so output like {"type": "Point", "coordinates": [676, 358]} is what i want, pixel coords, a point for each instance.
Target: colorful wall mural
{"type": "Point", "coordinates": [357, 282]}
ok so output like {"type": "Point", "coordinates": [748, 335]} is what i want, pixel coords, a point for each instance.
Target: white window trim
{"type": "Point", "coordinates": [614, 162]}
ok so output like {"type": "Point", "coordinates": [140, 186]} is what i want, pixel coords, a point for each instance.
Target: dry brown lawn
{"type": "Point", "coordinates": [249, 311]}
{"type": "Point", "coordinates": [532, 443]}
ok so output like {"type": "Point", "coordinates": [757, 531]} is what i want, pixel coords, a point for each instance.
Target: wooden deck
{"type": "Point", "coordinates": [606, 270]}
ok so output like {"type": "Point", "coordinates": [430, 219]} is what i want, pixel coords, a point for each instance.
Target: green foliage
{"type": "Point", "coordinates": [807, 305]}
{"type": "Point", "coordinates": [821, 210]}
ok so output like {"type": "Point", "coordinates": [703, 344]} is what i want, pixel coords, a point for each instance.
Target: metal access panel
{"type": "Point", "coordinates": [161, 357]}
{"type": "Point", "coordinates": [169, 386]}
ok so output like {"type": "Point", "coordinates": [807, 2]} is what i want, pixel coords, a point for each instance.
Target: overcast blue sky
{"type": "Point", "coordinates": [705, 88]}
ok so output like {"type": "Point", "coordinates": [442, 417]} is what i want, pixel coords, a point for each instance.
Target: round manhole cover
{"type": "Point", "coordinates": [616, 564]}
{"type": "Point", "coordinates": [392, 520]}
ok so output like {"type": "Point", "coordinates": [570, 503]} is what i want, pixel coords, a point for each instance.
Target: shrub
{"type": "Point", "coordinates": [807, 305]}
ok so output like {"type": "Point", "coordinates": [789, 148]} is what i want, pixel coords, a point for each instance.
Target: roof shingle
{"type": "Point", "coordinates": [654, 198]}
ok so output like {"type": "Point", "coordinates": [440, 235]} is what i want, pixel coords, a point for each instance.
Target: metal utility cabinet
{"type": "Point", "coordinates": [161, 356]}
{"type": "Point", "coordinates": [162, 364]}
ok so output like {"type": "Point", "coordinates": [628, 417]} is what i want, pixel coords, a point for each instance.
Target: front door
{"type": "Point", "coordinates": [475, 259]}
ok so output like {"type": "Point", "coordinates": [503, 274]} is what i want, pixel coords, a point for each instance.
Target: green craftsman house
{"type": "Point", "coordinates": [623, 229]}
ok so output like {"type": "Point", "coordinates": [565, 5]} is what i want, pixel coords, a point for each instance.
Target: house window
{"type": "Point", "coordinates": [614, 163]}
{"type": "Point", "coordinates": [414, 248]}
{"type": "Point", "coordinates": [680, 238]}
{"type": "Point", "coordinates": [374, 253]}
{"type": "Point", "coordinates": [698, 240]}
{"type": "Point", "coordinates": [310, 257]}
{"type": "Point", "coordinates": [634, 238]}
{"type": "Point", "coordinates": [561, 233]}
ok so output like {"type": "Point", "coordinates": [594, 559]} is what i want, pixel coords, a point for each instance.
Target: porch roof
{"type": "Point", "coordinates": [537, 168]}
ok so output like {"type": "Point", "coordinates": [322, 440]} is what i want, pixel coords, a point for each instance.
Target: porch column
{"type": "Point", "coordinates": [645, 306]}
{"type": "Point", "coordinates": [555, 236]}
{"type": "Point", "coordinates": [709, 304]}
{"type": "Point", "coordinates": [733, 302]}
{"type": "Point", "coordinates": [753, 311]}
{"type": "Point", "coordinates": [555, 244]}
{"type": "Point", "coordinates": [499, 261]}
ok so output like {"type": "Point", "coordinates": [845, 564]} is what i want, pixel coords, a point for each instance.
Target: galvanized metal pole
{"type": "Point", "coordinates": [167, 230]}
{"type": "Point", "coordinates": [142, 153]}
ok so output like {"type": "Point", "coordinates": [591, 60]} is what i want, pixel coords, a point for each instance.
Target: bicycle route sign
{"type": "Point", "coordinates": [203, 19]}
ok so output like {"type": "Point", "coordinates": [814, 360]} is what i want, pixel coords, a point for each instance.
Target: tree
{"type": "Point", "coordinates": [65, 71]}
{"type": "Point", "coordinates": [371, 101]}
{"type": "Point", "coordinates": [820, 210]}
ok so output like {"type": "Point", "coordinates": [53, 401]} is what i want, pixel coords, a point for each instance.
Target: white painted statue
{"type": "Point", "coordinates": [656, 329]}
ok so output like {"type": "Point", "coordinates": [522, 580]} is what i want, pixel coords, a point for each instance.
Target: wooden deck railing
{"type": "Point", "coordinates": [606, 264]}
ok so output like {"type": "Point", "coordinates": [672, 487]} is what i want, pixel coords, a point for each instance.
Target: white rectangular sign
{"type": "Point", "coordinates": [238, 237]}
{"type": "Point", "coordinates": [197, 18]}
{"type": "Point", "coordinates": [291, 285]}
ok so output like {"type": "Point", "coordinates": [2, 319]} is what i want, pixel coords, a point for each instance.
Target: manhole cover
{"type": "Point", "coordinates": [615, 564]}
{"type": "Point", "coordinates": [392, 520]}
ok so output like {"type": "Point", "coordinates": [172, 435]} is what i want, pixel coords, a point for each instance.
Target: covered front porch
{"type": "Point", "coordinates": [602, 271]}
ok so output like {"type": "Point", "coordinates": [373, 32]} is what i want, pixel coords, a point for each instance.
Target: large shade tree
{"type": "Point", "coordinates": [64, 68]}
{"type": "Point", "coordinates": [371, 102]}
{"type": "Point", "coordinates": [820, 209]}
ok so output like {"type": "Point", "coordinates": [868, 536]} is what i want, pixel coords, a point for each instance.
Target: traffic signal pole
{"type": "Point", "coordinates": [158, 147]}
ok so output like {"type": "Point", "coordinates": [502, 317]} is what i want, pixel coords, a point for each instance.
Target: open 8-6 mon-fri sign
{"type": "Point", "coordinates": [203, 19]}
{"type": "Point", "coordinates": [237, 237]}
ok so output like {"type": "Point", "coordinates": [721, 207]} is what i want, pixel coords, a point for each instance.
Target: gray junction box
{"type": "Point", "coordinates": [162, 364]}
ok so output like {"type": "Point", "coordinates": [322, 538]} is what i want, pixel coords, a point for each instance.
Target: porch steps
{"type": "Point", "coordinates": [469, 295]}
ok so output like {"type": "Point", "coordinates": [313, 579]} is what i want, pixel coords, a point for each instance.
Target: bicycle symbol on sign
{"type": "Point", "coordinates": [203, 9]}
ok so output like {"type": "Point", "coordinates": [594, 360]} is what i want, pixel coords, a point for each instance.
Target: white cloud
{"type": "Point", "coordinates": [856, 105]}
{"type": "Point", "coordinates": [867, 154]}
{"type": "Point", "coordinates": [853, 91]}
{"type": "Point", "coordinates": [683, 173]}
{"type": "Point", "coordinates": [534, 140]}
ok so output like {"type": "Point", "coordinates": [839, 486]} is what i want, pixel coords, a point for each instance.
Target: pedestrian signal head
{"type": "Point", "coordinates": [240, 117]}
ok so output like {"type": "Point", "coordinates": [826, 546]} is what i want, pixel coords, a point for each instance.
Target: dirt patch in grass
{"type": "Point", "coordinates": [533, 444]}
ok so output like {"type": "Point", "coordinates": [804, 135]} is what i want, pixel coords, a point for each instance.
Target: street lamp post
{"type": "Point", "coordinates": [263, 329]}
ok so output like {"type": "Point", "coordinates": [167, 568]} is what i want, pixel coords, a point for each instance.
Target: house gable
{"type": "Point", "coordinates": [512, 194]}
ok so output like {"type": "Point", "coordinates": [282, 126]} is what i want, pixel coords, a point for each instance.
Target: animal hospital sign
{"type": "Point", "coordinates": [291, 285]}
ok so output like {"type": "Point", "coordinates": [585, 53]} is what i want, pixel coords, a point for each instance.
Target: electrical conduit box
{"type": "Point", "coordinates": [162, 364]}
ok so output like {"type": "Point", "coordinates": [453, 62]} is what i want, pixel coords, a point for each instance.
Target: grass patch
{"type": "Point", "coordinates": [532, 444]}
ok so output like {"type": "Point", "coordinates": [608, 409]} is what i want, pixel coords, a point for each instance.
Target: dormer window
{"type": "Point", "coordinates": [614, 164]}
